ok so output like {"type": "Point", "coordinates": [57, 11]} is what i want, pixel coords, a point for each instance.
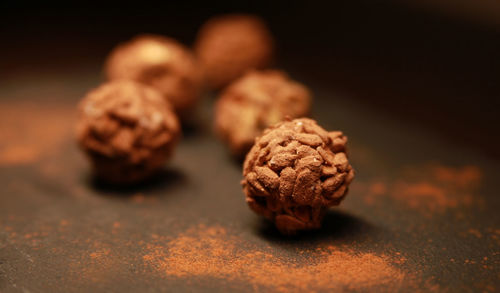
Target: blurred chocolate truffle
{"type": "Point", "coordinates": [294, 172]}
{"type": "Point", "coordinates": [254, 102]}
{"type": "Point", "coordinates": [162, 63]}
{"type": "Point", "coordinates": [229, 45]}
{"type": "Point", "coordinates": [127, 130]}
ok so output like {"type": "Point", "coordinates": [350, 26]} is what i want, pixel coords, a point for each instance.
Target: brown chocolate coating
{"type": "Point", "coordinates": [229, 45]}
{"type": "Point", "coordinates": [127, 130]}
{"type": "Point", "coordinates": [162, 63]}
{"type": "Point", "coordinates": [294, 172]}
{"type": "Point", "coordinates": [254, 102]}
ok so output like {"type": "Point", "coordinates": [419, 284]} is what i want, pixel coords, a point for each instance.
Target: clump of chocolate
{"type": "Point", "coordinates": [127, 130]}
{"type": "Point", "coordinates": [162, 63]}
{"type": "Point", "coordinates": [229, 45]}
{"type": "Point", "coordinates": [294, 172]}
{"type": "Point", "coordinates": [254, 102]}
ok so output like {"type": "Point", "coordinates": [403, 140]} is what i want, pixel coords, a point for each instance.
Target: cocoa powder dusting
{"type": "Point", "coordinates": [429, 188]}
{"type": "Point", "coordinates": [212, 252]}
{"type": "Point", "coordinates": [29, 131]}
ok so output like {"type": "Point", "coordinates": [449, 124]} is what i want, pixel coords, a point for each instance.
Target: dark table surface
{"type": "Point", "coordinates": [417, 95]}
{"type": "Point", "coordinates": [430, 206]}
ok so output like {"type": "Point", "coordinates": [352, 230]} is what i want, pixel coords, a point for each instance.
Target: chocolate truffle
{"type": "Point", "coordinates": [162, 63]}
{"type": "Point", "coordinates": [229, 45]}
{"type": "Point", "coordinates": [257, 100]}
{"type": "Point", "coordinates": [127, 130]}
{"type": "Point", "coordinates": [294, 172]}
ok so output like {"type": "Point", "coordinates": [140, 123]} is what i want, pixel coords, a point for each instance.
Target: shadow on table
{"type": "Point", "coordinates": [192, 127]}
{"type": "Point", "coordinates": [337, 225]}
{"type": "Point", "coordinates": [162, 180]}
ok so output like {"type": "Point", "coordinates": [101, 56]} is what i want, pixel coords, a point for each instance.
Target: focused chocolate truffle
{"type": "Point", "coordinates": [162, 63]}
{"type": "Point", "coordinates": [229, 45]}
{"type": "Point", "coordinates": [257, 100]}
{"type": "Point", "coordinates": [294, 172]}
{"type": "Point", "coordinates": [127, 130]}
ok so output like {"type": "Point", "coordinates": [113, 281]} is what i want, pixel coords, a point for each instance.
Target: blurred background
{"type": "Point", "coordinates": [432, 63]}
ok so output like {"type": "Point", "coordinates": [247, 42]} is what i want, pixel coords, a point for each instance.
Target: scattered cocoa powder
{"type": "Point", "coordinates": [494, 234]}
{"type": "Point", "coordinates": [429, 188]}
{"type": "Point", "coordinates": [423, 195]}
{"type": "Point", "coordinates": [31, 130]}
{"type": "Point", "coordinates": [99, 254]}
{"type": "Point", "coordinates": [464, 177]}
{"type": "Point", "coordinates": [96, 265]}
{"type": "Point", "coordinates": [475, 232]}
{"type": "Point", "coordinates": [212, 252]}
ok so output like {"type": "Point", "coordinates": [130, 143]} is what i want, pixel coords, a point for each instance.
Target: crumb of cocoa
{"type": "Point", "coordinates": [212, 252]}
{"type": "Point", "coordinates": [29, 131]}
{"type": "Point", "coordinates": [429, 188]}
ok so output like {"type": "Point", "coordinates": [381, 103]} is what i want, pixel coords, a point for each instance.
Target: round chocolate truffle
{"type": "Point", "coordinates": [229, 45]}
{"type": "Point", "coordinates": [254, 102]}
{"type": "Point", "coordinates": [294, 172]}
{"type": "Point", "coordinates": [127, 130]}
{"type": "Point", "coordinates": [162, 63]}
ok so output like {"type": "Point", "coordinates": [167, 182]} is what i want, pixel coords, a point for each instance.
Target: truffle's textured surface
{"type": "Point", "coordinates": [127, 130]}
{"type": "Point", "coordinates": [254, 102]}
{"type": "Point", "coordinates": [294, 172]}
{"type": "Point", "coordinates": [162, 63]}
{"type": "Point", "coordinates": [229, 45]}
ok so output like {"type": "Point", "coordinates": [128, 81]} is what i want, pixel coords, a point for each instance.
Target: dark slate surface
{"type": "Point", "coordinates": [52, 212]}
